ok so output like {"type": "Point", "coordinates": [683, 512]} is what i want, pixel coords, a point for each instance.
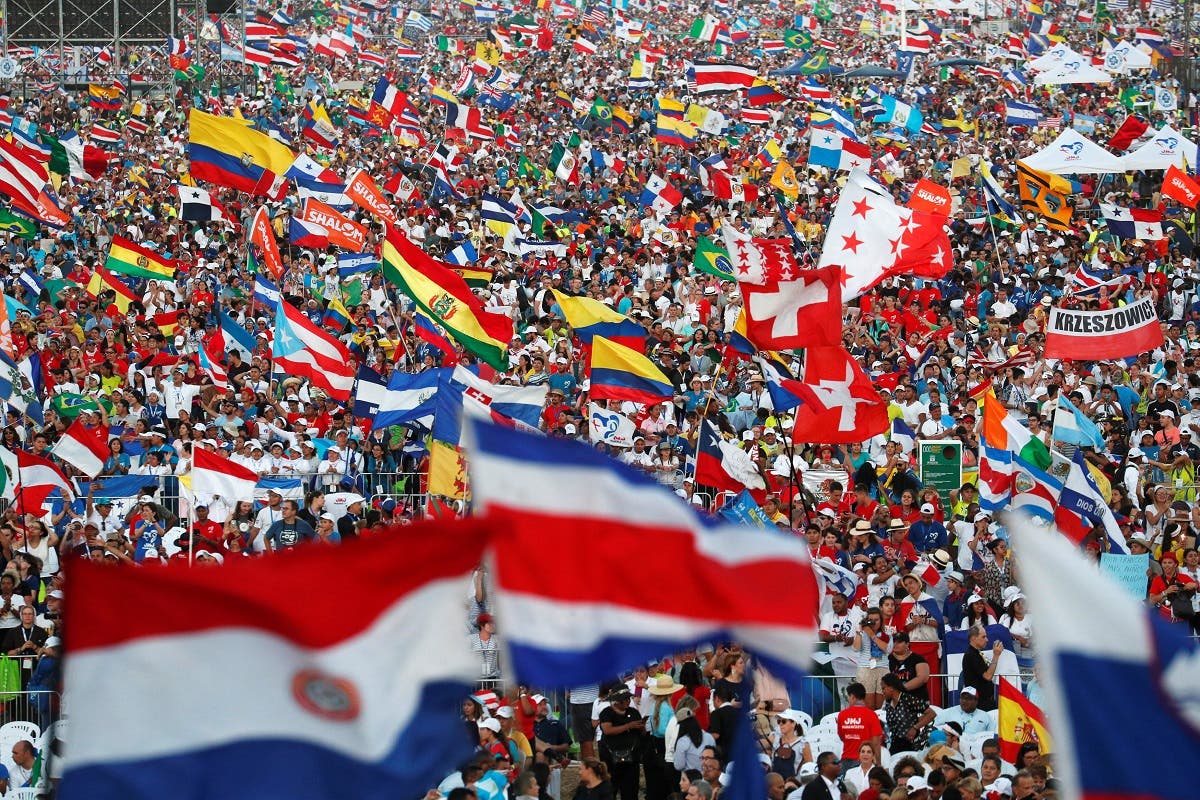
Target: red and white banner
{"type": "Point", "coordinates": [1097, 335]}
{"type": "Point", "coordinates": [343, 232]}
{"type": "Point", "coordinates": [361, 189]}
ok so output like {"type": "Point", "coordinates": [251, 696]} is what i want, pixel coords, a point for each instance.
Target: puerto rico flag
{"type": "Point", "coordinates": [280, 698]}
{"type": "Point", "coordinates": [302, 348]}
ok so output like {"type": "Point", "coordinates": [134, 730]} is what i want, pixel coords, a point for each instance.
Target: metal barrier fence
{"type": "Point", "coordinates": [28, 715]}
{"type": "Point", "coordinates": [406, 488]}
{"type": "Point", "coordinates": [820, 695]}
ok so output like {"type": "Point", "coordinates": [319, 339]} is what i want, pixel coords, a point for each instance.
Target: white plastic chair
{"type": "Point", "coordinates": [971, 744]}
{"type": "Point", "coordinates": [14, 732]}
{"type": "Point", "coordinates": [24, 793]}
{"type": "Point", "coordinates": [57, 730]}
{"type": "Point", "coordinates": [829, 720]}
{"type": "Point", "coordinates": [823, 742]}
{"type": "Point", "coordinates": [894, 757]}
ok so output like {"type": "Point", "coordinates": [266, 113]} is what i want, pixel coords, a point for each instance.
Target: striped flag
{"type": "Point", "coordinates": [84, 448]}
{"type": "Point", "coordinates": [22, 176]}
{"type": "Point", "coordinates": [104, 135]}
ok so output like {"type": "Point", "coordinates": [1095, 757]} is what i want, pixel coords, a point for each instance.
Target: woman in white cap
{"type": "Point", "coordinates": [1019, 624]}
{"type": "Point", "coordinates": [978, 612]}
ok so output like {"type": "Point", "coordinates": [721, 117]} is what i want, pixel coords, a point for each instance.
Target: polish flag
{"type": "Point", "coordinates": [214, 475]}
{"type": "Point", "coordinates": [84, 448]}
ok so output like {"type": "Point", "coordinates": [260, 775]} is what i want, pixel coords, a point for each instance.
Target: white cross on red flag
{"type": "Point", "coordinates": [840, 404]}
{"type": "Point", "coordinates": [871, 237]}
{"type": "Point", "coordinates": [805, 312]}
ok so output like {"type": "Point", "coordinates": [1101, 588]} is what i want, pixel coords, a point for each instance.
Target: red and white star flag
{"type": "Point", "coordinates": [759, 261]}
{"type": "Point", "coordinates": [840, 404]}
{"type": "Point", "coordinates": [871, 237]}
{"type": "Point", "coordinates": [806, 312]}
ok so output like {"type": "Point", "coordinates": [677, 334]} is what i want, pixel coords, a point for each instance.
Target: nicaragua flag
{"type": "Point", "coordinates": [1072, 426]}
{"type": "Point", "coordinates": [335, 704]}
{"type": "Point", "coordinates": [462, 255]}
{"type": "Point", "coordinates": [1093, 636]}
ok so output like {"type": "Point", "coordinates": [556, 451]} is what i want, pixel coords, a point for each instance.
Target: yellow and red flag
{"type": "Point", "coordinates": [1020, 721]}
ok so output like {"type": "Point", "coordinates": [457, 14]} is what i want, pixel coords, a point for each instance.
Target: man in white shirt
{"type": "Point", "coordinates": [271, 513]}
{"type": "Point", "coordinates": [838, 628]}
{"type": "Point", "coordinates": [178, 395]}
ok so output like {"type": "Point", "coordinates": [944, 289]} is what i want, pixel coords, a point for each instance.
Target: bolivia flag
{"type": "Point", "coordinates": [621, 373]}
{"type": "Point", "coordinates": [445, 298]}
{"type": "Point", "coordinates": [131, 259]}
{"type": "Point", "coordinates": [1003, 432]}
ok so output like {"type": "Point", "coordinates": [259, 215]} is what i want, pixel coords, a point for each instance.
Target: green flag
{"type": "Point", "coordinates": [527, 169]}
{"type": "Point", "coordinates": [797, 39]}
{"type": "Point", "coordinates": [352, 292]}
{"type": "Point", "coordinates": [816, 63]}
{"type": "Point", "coordinates": [822, 11]}
{"type": "Point", "coordinates": [11, 223]}
{"type": "Point", "coordinates": [601, 109]}
{"type": "Point", "coordinates": [283, 88]}
{"type": "Point", "coordinates": [58, 163]}
{"type": "Point", "coordinates": [70, 406]}
{"type": "Point", "coordinates": [713, 259]}
{"type": "Point", "coordinates": [540, 224]}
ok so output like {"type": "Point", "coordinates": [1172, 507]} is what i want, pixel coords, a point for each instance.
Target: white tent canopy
{"type": "Point", "coordinates": [1074, 71]}
{"type": "Point", "coordinates": [1126, 58]}
{"type": "Point", "coordinates": [1074, 154]}
{"type": "Point", "coordinates": [1054, 58]}
{"type": "Point", "coordinates": [1165, 148]}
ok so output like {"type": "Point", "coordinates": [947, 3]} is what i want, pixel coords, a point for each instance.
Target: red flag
{"type": "Point", "coordinates": [806, 312]}
{"type": "Point", "coordinates": [930, 198]}
{"type": "Point", "coordinates": [1180, 188]}
{"type": "Point", "coordinates": [361, 189]}
{"type": "Point", "coordinates": [1130, 131]}
{"type": "Point", "coordinates": [263, 235]}
{"type": "Point", "coordinates": [841, 404]}
{"type": "Point", "coordinates": [343, 231]}
{"type": "Point", "coordinates": [217, 475]}
{"type": "Point", "coordinates": [84, 448]}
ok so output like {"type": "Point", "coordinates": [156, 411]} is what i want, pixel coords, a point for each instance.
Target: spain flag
{"type": "Point", "coordinates": [1020, 721]}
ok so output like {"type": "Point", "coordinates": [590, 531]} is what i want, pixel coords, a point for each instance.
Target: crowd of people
{"type": "Point", "coordinates": [934, 347]}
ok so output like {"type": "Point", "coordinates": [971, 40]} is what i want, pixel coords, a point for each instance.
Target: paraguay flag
{"type": "Point", "coordinates": [330, 693]}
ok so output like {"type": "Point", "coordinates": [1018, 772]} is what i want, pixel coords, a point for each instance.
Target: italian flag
{"type": "Point", "coordinates": [704, 29]}
{"type": "Point", "coordinates": [84, 448]}
{"type": "Point", "coordinates": [1003, 432]}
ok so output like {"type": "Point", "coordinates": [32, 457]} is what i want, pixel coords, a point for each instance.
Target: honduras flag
{"type": "Point", "coordinates": [1021, 114]}
{"type": "Point", "coordinates": [236, 336]}
{"type": "Point", "coordinates": [330, 694]}
{"type": "Point", "coordinates": [409, 398]}
{"type": "Point", "coordinates": [1093, 637]}
{"type": "Point", "coordinates": [265, 291]}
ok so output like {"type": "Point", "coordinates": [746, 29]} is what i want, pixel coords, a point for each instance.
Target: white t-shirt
{"type": "Point", "coordinates": [844, 625]}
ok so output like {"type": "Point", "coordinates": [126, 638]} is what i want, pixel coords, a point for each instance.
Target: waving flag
{"type": "Point", "coordinates": [1019, 721]}
{"type": "Point", "coordinates": [310, 709]}
{"type": "Point", "coordinates": [22, 175]}
{"type": "Point", "coordinates": [725, 466]}
{"type": "Point", "coordinates": [445, 297]}
{"type": "Point", "coordinates": [1073, 426]}
{"type": "Point", "coordinates": [841, 403]}
{"type": "Point", "coordinates": [1003, 432]}
{"type": "Point", "coordinates": [84, 448]}
{"type": "Point", "coordinates": [228, 152]}
{"type": "Point", "coordinates": [303, 349]}
{"type": "Point", "coordinates": [218, 476]}
{"type": "Point", "coordinates": [591, 318]}
{"type": "Point", "coordinates": [1092, 636]}
{"type": "Point", "coordinates": [622, 373]}
{"type": "Point", "coordinates": [410, 398]}
{"type": "Point", "coordinates": [731, 570]}
{"type": "Point", "coordinates": [38, 478]}
{"type": "Point", "coordinates": [805, 312]}
{"type": "Point", "coordinates": [130, 258]}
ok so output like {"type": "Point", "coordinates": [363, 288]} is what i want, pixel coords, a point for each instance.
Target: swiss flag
{"type": "Point", "coordinates": [806, 312]}
{"type": "Point", "coordinates": [723, 465]}
{"type": "Point", "coordinates": [1180, 188]}
{"type": "Point", "coordinates": [840, 402]}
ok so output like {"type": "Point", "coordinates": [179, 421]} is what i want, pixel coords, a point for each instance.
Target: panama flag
{"type": "Point", "coordinates": [84, 448]}
{"type": "Point", "coordinates": [1093, 636]}
{"type": "Point", "coordinates": [315, 702]}
{"type": "Point", "coordinates": [304, 349]}
{"type": "Point", "coordinates": [611, 510]}
{"type": "Point", "coordinates": [215, 475]}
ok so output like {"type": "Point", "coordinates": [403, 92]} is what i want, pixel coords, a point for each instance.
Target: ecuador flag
{"type": "Point", "coordinates": [228, 152]}
{"type": "Point", "coordinates": [128, 258]}
{"type": "Point", "coordinates": [621, 373]}
{"type": "Point", "coordinates": [445, 297]}
{"type": "Point", "coordinates": [1019, 721]}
